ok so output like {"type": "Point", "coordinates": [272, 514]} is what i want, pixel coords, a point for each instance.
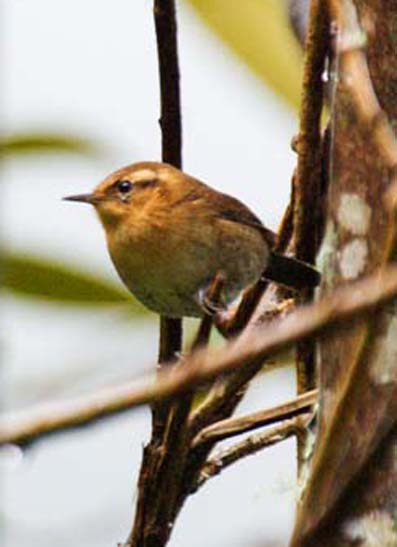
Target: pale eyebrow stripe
{"type": "Point", "coordinates": [143, 174]}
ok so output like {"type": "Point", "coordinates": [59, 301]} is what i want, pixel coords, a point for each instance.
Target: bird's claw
{"type": "Point", "coordinates": [211, 308]}
{"type": "Point", "coordinates": [209, 305]}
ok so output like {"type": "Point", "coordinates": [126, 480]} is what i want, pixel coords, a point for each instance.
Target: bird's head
{"type": "Point", "coordinates": [132, 190]}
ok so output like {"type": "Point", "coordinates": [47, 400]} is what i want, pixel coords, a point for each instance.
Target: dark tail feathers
{"type": "Point", "coordinates": [291, 272]}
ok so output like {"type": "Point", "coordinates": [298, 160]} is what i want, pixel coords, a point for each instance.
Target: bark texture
{"type": "Point", "coordinates": [350, 497]}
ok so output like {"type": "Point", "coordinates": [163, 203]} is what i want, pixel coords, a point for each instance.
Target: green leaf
{"type": "Point", "coordinates": [48, 143]}
{"type": "Point", "coordinates": [258, 32]}
{"type": "Point", "coordinates": [31, 276]}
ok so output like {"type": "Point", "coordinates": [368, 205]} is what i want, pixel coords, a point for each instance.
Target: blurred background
{"type": "Point", "coordinates": [80, 99]}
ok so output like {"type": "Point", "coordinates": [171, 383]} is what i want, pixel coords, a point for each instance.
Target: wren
{"type": "Point", "coordinates": [169, 235]}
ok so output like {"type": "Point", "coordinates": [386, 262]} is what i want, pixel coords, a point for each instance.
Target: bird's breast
{"type": "Point", "coordinates": [166, 264]}
{"type": "Point", "coordinates": [161, 267]}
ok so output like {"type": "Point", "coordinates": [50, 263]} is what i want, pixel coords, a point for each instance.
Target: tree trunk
{"type": "Point", "coordinates": [351, 494]}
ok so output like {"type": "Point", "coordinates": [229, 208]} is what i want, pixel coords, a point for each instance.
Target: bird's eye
{"type": "Point", "coordinates": [124, 186]}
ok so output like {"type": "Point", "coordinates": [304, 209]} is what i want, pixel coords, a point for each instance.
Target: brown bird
{"type": "Point", "coordinates": [169, 235]}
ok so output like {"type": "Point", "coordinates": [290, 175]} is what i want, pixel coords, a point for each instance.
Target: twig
{"type": "Point", "coordinates": [230, 390]}
{"type": "Point", "coordinates": [176, 442]}
{"type": "Point", "coordinates": [181, 408]}
{"type": "Point", "coordinates": [170, 345]}
{"type": "Point", "coordinates": [285, 230]}
{"type": "Point", "coordinates": [241, 424]}
{"type": "Point", "coordinates": [307, 180]}
{"type": "Point", "coordinates": [171, 145]}
{"type": "Point", "coordinates": [344, 303]}
{"type": "Point", "coordinates": [235, 324]}
{"type": "Point", "coordinates": [227, 392]}
{"type": "Point", "coordinates": [249, 446]}
{"type": "Point", "coordinates": [167, 49]}
{"type": "Point", "coordinates": [225, 389]}
{"type": "Point", "coordinates": [308, 172]}
{"type": "Point", "coordinates": [170, 328]}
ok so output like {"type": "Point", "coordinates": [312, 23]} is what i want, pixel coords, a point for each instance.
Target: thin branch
{"type": "Point", "coordinates": [227, 392]}
{"type": "Point", "coordinates": [344, 303]}
{"type": "Point", "coordinates": [170, 328]}
{"type": "Point", "coordinates": [231, 389]}
{"type": "Point", "coordinates": [176, 442]}
{"type": "Point", "coordinates": [235, 323]}
{"type": "Point", "coordinates": [167, 49]}
{"type": "Point", "coordinates": [307, 179]}
{"type": "Point", "coordinates": [285, 229]}
{"type": "Point", "coordinates": [170, 345]}
{"type": "Point", "coordinates": [171, 143]}
{"type": "Point", "coordinates": [249, 446]}
{"type": "Point", "coordinates": [308, 172]}
{"type": "Point", "coordinates": [235, 426]}
{"type": "Point", "coordinates": [227, 387]}
{"type": "Point", "coordinates": [181, 408]}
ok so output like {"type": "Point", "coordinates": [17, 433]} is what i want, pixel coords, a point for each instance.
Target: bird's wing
{"type": "Point", "coordinates": [224, 207]}
{"type": "Point", "coordinates": [233, 210]}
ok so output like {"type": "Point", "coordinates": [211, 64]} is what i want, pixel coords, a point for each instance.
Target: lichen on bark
{"type": "Point", "coordinates": [351, 492]}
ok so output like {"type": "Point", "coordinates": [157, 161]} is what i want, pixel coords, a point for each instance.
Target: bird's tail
{"type": "Point", "coordinates": [291, 272]}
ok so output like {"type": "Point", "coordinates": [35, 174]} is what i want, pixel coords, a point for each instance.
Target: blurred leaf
{"type": "Point", "coordinates": [31, 276]}
{"type": "Point", "coordinates": [25, 143]}
{"type": "Point", "coordinates": [258, 31]}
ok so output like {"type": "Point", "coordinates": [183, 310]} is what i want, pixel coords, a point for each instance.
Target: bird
{"type": "Point", "coordinates": [169, 235]}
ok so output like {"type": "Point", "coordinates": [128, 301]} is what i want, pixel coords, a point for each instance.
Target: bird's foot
{"type": "Point", "coordinates": [210, 299]}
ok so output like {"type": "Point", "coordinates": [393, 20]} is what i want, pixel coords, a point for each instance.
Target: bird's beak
{"type": "Point", "coordinates": [84, 198]}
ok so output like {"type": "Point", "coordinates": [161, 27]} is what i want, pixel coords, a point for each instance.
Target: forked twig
{"type": "Point", "coordinates": [249, 446]}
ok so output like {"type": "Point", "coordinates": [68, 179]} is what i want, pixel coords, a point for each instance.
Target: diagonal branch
{"type": "Point", "coordinates": [249, 446]}
{"type": "Point", "coordinates": [235, 426]}
{"type": "Point", "coordinates": [344, 303]}
{"type": "Point", "coordinates": [226, 388]}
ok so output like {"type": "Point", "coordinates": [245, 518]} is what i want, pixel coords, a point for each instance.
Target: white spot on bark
{"type": "Point", "coordinates": [354, 214]}
{"type": "Point", "coordinates": [326, 256]}
{"type": "Point", "coordinates": [353, 258]}
{"type": "Point", "coordinates": [384, 366]}
{"type": "Point", "coordinates": [372, 530]}
{"type": "Point", "coordinates": [328, 246]}
{"type": "Point", "coordinates": [327, 398]}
